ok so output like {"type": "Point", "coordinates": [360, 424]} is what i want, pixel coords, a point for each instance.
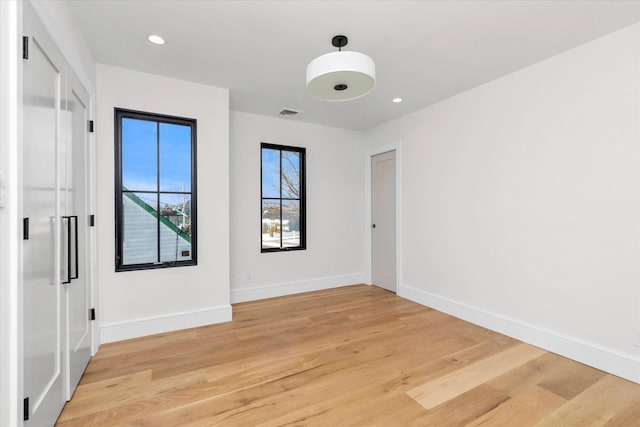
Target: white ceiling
{"type": "Point", "coordinates": [425, 51]}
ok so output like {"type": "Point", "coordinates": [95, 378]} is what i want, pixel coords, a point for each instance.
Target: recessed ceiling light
{"type": "Point", "coordinates": [156, 39]}
{"type": "Point", "coordinates": [396, 100]}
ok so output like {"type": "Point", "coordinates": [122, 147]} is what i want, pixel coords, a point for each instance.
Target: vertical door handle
{"type": "Point", "coordinates": [71, 248]}
{"type": "Point", "coordinates": [75, 245]}
{"type": "Point", "coordinates": [67, 274]}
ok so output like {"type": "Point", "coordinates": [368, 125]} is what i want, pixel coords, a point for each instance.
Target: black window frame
{"type": "Point", "coordinates": [119, 115]}
{"type": "Point", "coordinates": [303, 197]}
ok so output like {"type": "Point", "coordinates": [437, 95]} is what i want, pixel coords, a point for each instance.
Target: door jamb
{"type": "Point", "coordinates": [11, 387]}
{"type": "Point", "coordinates": [394, 146]}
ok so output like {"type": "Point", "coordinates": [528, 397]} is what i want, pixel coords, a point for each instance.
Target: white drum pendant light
{"type": "Point", "coordinates": [341, 76]}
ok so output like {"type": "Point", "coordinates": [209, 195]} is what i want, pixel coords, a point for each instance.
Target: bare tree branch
{"type": "Point", "coordinates": [290, 177]}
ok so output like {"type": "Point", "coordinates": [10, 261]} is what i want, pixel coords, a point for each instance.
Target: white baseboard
{"type": "Point", "coordinates": [111, 332]}
{"type": "Point", "coordinates": [296, 287]}
{"type": "Point", "coordinates": [622, 365]}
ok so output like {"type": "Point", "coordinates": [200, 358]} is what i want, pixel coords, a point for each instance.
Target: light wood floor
{"type": "Point", "coordinates": [357, 355]}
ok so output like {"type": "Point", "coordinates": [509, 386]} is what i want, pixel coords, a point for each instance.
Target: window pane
{"type": "Point", "coordinates": [140, 228]}
{"type": "Point", "coordinates": [139, 154]}
{"type": "Point", "coordinates": [156, 165]}
{"type": "Point", "coordinates": [270, 173]}
{"type": "Point", "coordinates": [175, 227]}
{"type": "Point", "coordinates": [290, 175]}
{"type": "Point", "coordinates": [175, 157]}
{"type": "Point", "coordinates": [282, 217]}
{"type": "Point", "coordinates": [290, 223]}
{"type": "Point", "coordinates": [270, 224]}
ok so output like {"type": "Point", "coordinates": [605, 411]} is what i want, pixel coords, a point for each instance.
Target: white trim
{"type": "Point", "coordinates": [295, 287]}
{"type": "Point", "coordinates": [92, 233]}
{"type": "Point", "coordinates": [118, 331]}
{"type": "Point", "coordinates": [617, 363]}
{"type": "Point", "coordinates": [10, 246]}
{"type": "Point", "coordinates": [394, 146]}
{"type": "Point", "coordinates": [637, 331]}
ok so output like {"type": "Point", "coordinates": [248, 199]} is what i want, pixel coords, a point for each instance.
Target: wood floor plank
{"type": "Point", "coordinates": [607, 402]}
{"type": "Point", "coordinates": [464, 408]}
{"type": "Point", "coordinates": [557, 374]}
{"type": "Point", "coordinates": [524, 410]}
{"type": "Point", "coordinates": [341, 357]}
{"type": "Point", "coordinates": [158, 341]}
{"type": "Point", "coordinates": [434, 393]}
{"type": "Point", "coordinates": [126, 396]}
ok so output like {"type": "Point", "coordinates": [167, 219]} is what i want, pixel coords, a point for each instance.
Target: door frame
{"type": "Point", "coordinates": [394, 146]}
{"type": "Point", "coordinates": [10, 244]}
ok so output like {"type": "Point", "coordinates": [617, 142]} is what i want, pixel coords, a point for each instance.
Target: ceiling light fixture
{"type": "Point", "coordinates": [396, 100]}
{"type": "Point", "coordinates": [156, 39]}
{"type": "Point", "coordinates": [341, 76]}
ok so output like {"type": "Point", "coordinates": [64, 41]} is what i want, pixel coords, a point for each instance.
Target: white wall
{"type": "Point", "coordinates": [521, 203]}
{"type": "Point", "coordinates": [137, 303]}
{"type": "Point", "coordinates": [335, 199]}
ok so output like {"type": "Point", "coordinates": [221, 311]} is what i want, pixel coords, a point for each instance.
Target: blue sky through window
{"type": "Point", "coordinates": [140, 158]}
{"type": "Point", "coordinates": [271, 174]}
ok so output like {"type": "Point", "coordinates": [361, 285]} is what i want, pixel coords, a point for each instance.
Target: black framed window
{"type": "Point", "coordinates": [282, 198]}
{"type": "Point", "coordinates": [155, 190]}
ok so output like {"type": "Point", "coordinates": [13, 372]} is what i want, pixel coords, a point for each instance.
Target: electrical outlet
{"type": "Point", "coordinates": [637, 344]}
{"type": "Point", "coordinates": [249, 278]}
{"type": "Point", "coordinates": [327, 268]}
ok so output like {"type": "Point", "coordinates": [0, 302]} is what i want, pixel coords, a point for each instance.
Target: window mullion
{"type": "Point", "coordinates": [281, 199]}
{"type": "Point", "coordinates": [158, 187]}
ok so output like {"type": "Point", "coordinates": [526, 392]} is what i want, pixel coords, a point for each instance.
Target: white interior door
{"type": "Point", "coordinates": [42, 328]}
{"type": "Point", "coordinates": [383, 220]}
{"type": "Point", "coordinates": [74, 192]}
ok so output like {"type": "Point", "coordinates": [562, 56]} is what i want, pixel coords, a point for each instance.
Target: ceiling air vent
{"type": "Point", "coordinates": [288, 112]}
